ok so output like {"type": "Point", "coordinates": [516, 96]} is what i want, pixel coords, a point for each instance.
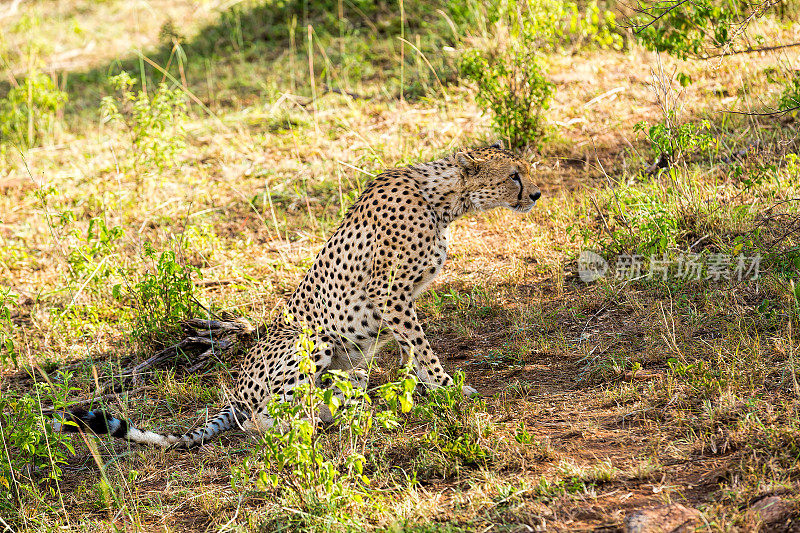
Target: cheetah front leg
{"type": "Point", "coordinates": [400, 317]}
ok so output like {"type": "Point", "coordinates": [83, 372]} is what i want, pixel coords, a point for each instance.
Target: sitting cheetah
{"type": "Point", "coordinates": [390, 246]}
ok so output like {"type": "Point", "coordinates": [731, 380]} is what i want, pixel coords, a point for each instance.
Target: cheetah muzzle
{"type": "Point", "coordinates": [360, 291]}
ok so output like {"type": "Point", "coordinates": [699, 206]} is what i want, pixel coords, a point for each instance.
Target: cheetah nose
{"type": "Point", "coordinates": [535, 196]}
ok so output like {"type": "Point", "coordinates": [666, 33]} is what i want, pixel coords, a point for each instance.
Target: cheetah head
{"type": "Point", "coordinates": [494, 177]}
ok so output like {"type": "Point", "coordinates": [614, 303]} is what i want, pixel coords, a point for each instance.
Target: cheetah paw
{"type": "Point", "coordinates": [360, 378]}
{"type": "Point", "coordinates": [468, 391]}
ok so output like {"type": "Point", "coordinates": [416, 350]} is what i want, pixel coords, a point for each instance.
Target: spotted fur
{"type": "Point", "coordinates": [359, 292]}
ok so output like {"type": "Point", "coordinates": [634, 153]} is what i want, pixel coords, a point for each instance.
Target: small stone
{"type": "Point", "coordinates": [772, 509]}
{"type": "Point", "coordinates": [674, 518]}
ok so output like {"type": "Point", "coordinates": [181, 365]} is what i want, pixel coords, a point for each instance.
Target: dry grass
{"type": "Point", "coordinates": [264, 179]}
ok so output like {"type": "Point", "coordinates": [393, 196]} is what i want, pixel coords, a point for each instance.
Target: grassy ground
{"type": "Point", "coordinates": [597, 399]}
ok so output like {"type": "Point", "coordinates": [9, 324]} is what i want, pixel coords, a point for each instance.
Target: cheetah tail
{"type": "Point", "coordinates": [103, 423]}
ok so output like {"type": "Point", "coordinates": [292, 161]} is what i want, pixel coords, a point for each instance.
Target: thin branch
{"type": "Point", "coordinates": [766, 114]}
{"type": "Point", "coordinates": [659, 17]}
{"type": "Point", "coordinates": [750, 50]}
{"type": "Point", "coordinates": [757, 12]}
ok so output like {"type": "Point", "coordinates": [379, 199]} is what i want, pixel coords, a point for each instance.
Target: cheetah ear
{"type": "Point", "coordinates": [498, 145]}
{"type": "Point", "coordinates": [467, 162]}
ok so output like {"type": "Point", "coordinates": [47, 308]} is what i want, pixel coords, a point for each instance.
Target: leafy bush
{"type": "Point", "coordinates": [555, 25]}
{"type": "Point", "coordinates": [454, 429]}
{"type": "Point", "coordinates": [294, 457]}
{"type": "Point", "coordinates": [636, 220]}
{"type": "Point", "coordinates": [88, 259]}
{"type": "Point", "coordinates": [513, 88]}
{"type": "Point", "coordinates": [31, 451]}
{"type": "Point", "coordinates": [689, 30]}
{"type": "Point", "coordinates": [651, 223]}
{"type": "Point", "coordinates": [677, 141]}
{"type": "Point", "coordinates": [153, 123]}
{"type": "Point", "coordinates": [702, 377]}
{"type": "Point", "coordinates": [705, 28]}
{"type": "Point", "coordinates": [163, 297]}
{"type": "Point", "coordinates": [28, 112]}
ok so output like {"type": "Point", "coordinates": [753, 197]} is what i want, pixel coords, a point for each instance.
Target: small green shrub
{"type": "Point", "coordinates": [704, 379]}
{"type": "Point", "coordinates": [547, 491]}
{"type": "Point", "coordinates": [678, 141]}
{"type": "Point", "coordinates": [522, 436]}
{"type": "Point", "coordinates": [295, 458]}
{"type": "Point", "coordinates": [28, 112]}
{"type": "Point", "coordinates": [511, 85]}
{"type": "Point", "coordinates": [654, 222]}
{"type": "Point", "coordinates": [591, 475]}
{"type": "Point", "coordinates": [89, 258]}
{"type": "Point", "coordinates": [162, 298]}
{"type": "Point", "coordinates": [510, 77]}
{"type": "Point", "coordinates": [636, 220]}
{"type": "Point", "coordinates": [453, 426]}
{"type": "Point", "coordinates": [31, 451]}
{"type": "Point", "coordinates": [154, 123]}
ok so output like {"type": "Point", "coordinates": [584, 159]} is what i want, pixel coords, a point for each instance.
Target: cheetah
{"type": "Point", "coordinates": [360, 290]}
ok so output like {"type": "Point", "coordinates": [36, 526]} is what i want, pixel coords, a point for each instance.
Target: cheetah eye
{"type": "Point", "coordinates": [515, 177]}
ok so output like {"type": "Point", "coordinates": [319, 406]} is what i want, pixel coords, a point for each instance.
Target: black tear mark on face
{"type": "Point", "coordinates": [515, 177]}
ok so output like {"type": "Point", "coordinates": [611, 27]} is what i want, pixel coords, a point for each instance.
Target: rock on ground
{"type": "Point", "coordinates": [674, 518]}
{"type": "Point", "coordinates": [775, 511]}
